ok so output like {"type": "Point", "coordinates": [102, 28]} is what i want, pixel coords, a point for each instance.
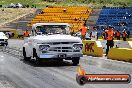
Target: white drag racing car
{"type": "Point", "coordinates": [52, 41]}
{"type": "Point", "coordinates": [3, 39]}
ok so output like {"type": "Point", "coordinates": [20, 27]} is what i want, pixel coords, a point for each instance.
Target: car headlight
{"type": "Point", "coordinates": [77, 46]}
{"type": "Point", "coordinates": [44, 47]}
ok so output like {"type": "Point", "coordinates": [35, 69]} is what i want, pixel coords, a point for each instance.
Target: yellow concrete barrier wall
{"type": "Point", "coordinates": [92, 48]}
{"type": "Point", "coordinates": [122, 54]}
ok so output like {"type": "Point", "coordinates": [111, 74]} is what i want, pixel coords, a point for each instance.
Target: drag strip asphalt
{"type": "Point", "coordinates": [52, 74]}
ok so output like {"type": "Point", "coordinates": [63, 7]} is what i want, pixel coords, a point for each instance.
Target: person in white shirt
{"type": "Point", "coordinates": [94, 34]}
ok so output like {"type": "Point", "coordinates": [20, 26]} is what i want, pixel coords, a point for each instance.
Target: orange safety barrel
{"type": "Point", "coordinates": [81, 71]}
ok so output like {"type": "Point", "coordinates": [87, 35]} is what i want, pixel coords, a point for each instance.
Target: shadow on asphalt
{"type": "Point", "coordinates": [48, 63]}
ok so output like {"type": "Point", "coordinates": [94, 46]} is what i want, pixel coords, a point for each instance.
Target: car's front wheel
{"type": "Point", "coordinates": [24, 55]}
{"type": "Point", "coordinates": [38, 60]}
{"type": "Point", "coordinates": [76, 61]}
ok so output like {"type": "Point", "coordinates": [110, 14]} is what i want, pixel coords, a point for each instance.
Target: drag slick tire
{"type": "Point", "coordinates": [76, 61]}
{"type": "Point", "coordinates": [24, 55]}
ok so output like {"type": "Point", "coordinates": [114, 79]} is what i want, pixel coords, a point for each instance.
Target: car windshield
{"type": "Point", "coordinates": [51, 29]}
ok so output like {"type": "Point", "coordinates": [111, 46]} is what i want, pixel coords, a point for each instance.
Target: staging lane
{"type": "Point", "coordinates": [28, 75]}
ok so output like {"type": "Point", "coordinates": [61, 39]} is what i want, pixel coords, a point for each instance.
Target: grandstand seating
{"type": "Point", "coordinates": [117, 17]}
{"type": "Point", "coordinates": [74, 15]}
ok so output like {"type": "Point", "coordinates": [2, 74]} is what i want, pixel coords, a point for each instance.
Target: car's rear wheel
{"type": "Point", "coordinates": [24, 55]}
{"type": "Point", "coordinates": [76, 61]}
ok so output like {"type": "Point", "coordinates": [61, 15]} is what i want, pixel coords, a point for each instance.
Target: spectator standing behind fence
{"type": "Point", "coordinates": [117, 35]}
{"type": "Point", "coordinates": [109, 38]}
{"type": "Point", "coordinates": [124, 35]}
{"type": "Point", "coordinates": [83, 31]}
{"type": "Point", "coordinates": [94, 34]}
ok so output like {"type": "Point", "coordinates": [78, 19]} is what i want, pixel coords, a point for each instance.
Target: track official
{"type": "Point", "coordinates": [109, 38]}
{"type": "Point", "coordinates": [83, 31]}
{"type": "Point", "coordinates": [26, 33]}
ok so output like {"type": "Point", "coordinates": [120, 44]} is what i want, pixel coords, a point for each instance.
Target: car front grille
{"type": "Point", "coordinates": [61, 49]}
{"type": "Point", "coordinates": [57, 43]}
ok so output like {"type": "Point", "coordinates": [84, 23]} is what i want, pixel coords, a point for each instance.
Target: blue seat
{"type": "Point", "coordinates": [115, 15]}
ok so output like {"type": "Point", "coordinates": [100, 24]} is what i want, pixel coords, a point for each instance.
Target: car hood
{"type": "Point", "coordinates": [3, 37]}
{"type": "Point", "coordinates": [56, 38]}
